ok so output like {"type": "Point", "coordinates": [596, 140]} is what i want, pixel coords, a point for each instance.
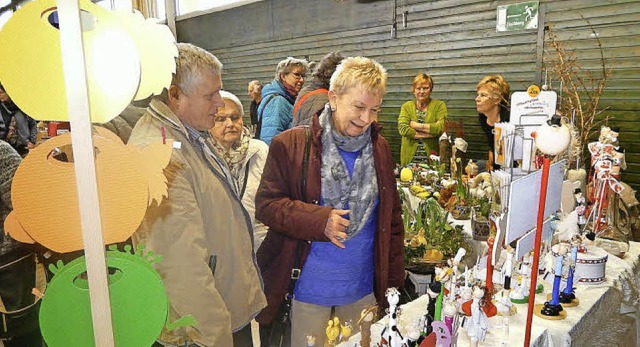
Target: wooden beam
{"type": "Point", "coordinates": [78, 105]}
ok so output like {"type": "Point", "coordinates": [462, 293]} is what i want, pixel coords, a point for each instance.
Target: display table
{"type": "Point", "coordinates": [606, 316]}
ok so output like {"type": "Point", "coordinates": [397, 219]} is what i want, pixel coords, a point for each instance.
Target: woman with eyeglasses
{"type": "Point", "coordinates": [275, 112]}
{"type": "Point", "coordinates": [421, 121]}
{"type": "Point", "coordinates": [492, 104]}
{"type": "Point", "coordinates": [243, 156]}
{"type": "Point", "coordinates": [345, 223]}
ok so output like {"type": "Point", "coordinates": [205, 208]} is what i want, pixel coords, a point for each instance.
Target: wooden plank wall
{"type": "Point", "coordinates": [454, 41]}
{"type": "Point", "coordinates": [617, 24]}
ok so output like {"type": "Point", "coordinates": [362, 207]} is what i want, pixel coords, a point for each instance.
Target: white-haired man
{"type": "Point", "coordinates": [201, 230]}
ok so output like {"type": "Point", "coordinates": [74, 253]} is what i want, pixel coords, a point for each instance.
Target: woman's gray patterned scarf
{"type": "Point", "coordinates": [338, 189]}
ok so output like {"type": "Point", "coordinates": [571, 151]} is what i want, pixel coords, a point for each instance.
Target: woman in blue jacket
{"type": "Point", "coordinates": [275, 112]}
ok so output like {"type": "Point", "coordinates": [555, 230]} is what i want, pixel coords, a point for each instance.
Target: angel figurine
{"type": "Point", "coordinates": [478, 325]}
{"type": "Point", "coordinates": [520, 294]}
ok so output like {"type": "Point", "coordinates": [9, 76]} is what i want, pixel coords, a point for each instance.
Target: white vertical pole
{"type": "Point", "coordinates": [170, 12]}
{"type": "Point", "coordinates": [78, 107]}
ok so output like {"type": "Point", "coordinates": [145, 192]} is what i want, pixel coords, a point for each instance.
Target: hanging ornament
{"type": "Point", "coordinates": [552, 137]}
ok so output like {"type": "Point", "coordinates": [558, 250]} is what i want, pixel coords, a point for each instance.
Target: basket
{"type": "Point", "coordinates": [480, 229]}
{"type": "Point", "coordinates": [423, 266]}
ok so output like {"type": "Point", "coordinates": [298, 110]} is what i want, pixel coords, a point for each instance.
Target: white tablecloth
{"type": "Point", "coordinates": [606, 316]}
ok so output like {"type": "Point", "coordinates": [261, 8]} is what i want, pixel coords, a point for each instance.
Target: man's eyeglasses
{"type": "Point", "coordinates": [298, 75]}
{"type": "Point", "coordinates": [423, 89]}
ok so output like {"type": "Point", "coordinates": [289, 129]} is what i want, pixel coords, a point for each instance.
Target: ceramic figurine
{"type": "Point", "coordinates": [391, 334]}
{"type": "Point", "coordinates": [578, 175]}
{"type": "Point", "coordinates": [553, 307]}
{"type": "Point", "coordinates": [464, 292]}
{"type": "Point", "coordinates": [504, 305]}
{"type": "Point", "coordinates": [455, 272]}
{"type": "Point", "coordinates": [567, 296]}
{"type": "Point", "coordinates": [478, 325]}
{"type": "Point", "coordinates": [607, 159]}
{"type": "Point", "coordinates": [581, 206]}
{"type": "Point", "coordinates": [449, 311]}
{"type": "Point", "coordinates": [441, 332]}
{"type": "Point", "coordinates": [505, 309]}
{"type": "Point", "coordinates": [520, 295]}
{"type": "Point", "coordinates": [345, 331]}
{"type": "Point", "coordinates": [606, 137]}
{"type": "Point", "coordinates": [471, 169]}
{"type": "Point", "coordinates": [413, 332]}
{"type": "Point", "coordinates": [458, 153]}
{"type": "Point", "coordinates": [507, 269]}
{"type": "Point", "coordinates": [332, 331]}
{"type": "Point", "coordinates": [442, 277]}
{"type": "Point", "coordinates": [311, 341]}
{"type": "Point", "coordinates": [444, 150]}
{"type": "Point", "coordinates": [434, 292]}
{"type": "Point", "coordinates": [619, 162]}
{"type": "Point", "coordinates": [613, 134]}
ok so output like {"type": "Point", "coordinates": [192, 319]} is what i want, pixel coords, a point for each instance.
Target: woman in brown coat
{"type": "Point", "coordinates": [347, 220]}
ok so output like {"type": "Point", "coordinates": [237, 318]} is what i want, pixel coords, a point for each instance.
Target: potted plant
{"type": "Point", "coordinates": [480, 219]}
{"type": "Point", "coordinates": [430, 237]}
{"type": "Point", "coordinates": [459, 203]}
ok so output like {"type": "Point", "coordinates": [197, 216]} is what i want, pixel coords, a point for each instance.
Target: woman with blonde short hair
{"type": "Point", "coordinates": [492, 104]}
{"type": "Point", "coordinates": [346, 223]}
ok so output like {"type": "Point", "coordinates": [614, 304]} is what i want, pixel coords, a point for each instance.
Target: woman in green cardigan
{"type": "Point", "coordinates": [421, 121]}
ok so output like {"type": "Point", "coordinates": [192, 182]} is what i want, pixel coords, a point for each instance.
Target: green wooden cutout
{"type": "Point", "coordinates": [139, 303]}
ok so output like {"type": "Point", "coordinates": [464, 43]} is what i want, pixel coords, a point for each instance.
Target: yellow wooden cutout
{"type": "Point", "coordinates": [44, 192]}
{"type": "Point", "coordinates": [156, 49]}
{"type": "Point", "coordinates": [31, 68]}
{"type": "Point", "coordinates": [533, 91]}
{"type": "Point", "coordinates": [13, 228]}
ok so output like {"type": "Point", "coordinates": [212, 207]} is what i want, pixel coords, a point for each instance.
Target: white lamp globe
{"type": "Point", "coordinates": [553, 137]}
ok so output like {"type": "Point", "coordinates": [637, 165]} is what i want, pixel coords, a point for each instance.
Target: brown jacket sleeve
{"type": "Point", "coordinates": [396, 247]}
{"type": "Point", "coordinates": [279, 202]}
